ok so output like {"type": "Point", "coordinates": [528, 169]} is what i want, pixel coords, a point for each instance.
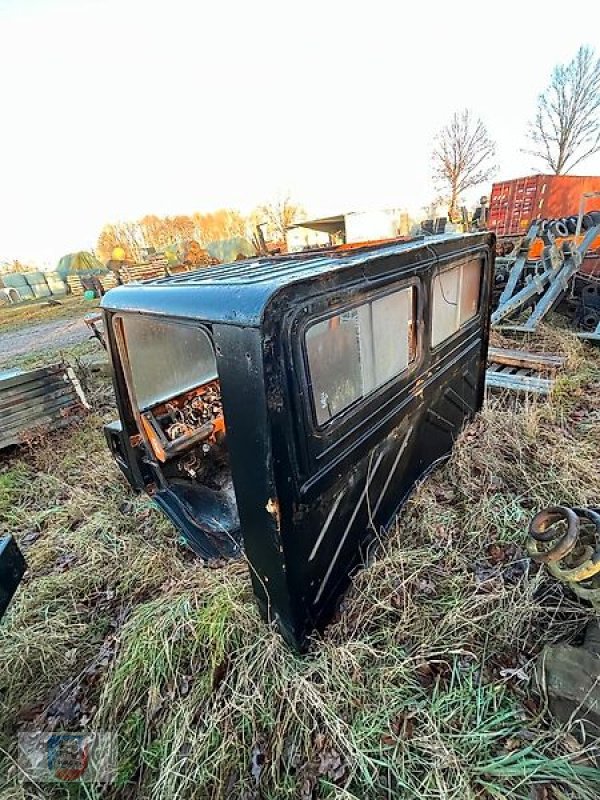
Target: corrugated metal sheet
{"type": "Point", "coordinates": [38, 401]}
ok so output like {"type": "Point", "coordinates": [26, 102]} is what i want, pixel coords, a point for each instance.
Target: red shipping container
{"type": "Point", "coordinates": [516, 203]}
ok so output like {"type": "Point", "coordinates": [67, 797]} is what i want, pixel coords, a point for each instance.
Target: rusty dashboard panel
{"type": "Point", "coordinates": [35, 402]}
{"type": "Point", "coordinates": [282, 409]}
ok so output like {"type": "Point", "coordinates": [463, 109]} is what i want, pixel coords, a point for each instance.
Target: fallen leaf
{"type": "Point", "coordinates": [65, 561]}
{"type": "Point", "coordinates": [496, 554]}
{"type": "Point", "coordinates": [331, 765]}
{"type": "Point", "coordinates": [154, 703]}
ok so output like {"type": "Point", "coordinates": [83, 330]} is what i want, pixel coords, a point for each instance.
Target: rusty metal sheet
{"type": "Point", "coordinates": [38, 401]}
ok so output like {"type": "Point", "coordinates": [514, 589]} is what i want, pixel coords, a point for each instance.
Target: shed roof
{"type": "Point", "coordinates": [325, 224]}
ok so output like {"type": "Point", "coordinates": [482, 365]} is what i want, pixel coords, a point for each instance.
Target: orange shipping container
{"type": "Point", "coordinates": [516, 203]}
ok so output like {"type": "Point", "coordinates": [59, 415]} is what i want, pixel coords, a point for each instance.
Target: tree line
{"type": "Point", "coordinates": [563, 133]}
{"type": "Point", "coordinates": [161, 233]}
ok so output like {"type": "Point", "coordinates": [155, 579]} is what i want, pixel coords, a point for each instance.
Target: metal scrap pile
{"type": "Point", "coordinates": [37, 401]}
{"type": "Point", "coordinates": [567, 541]}
{"type": "Point", "coordinates": [533, 287]}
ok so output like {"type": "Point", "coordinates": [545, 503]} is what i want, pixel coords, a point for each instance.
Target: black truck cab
{"type": "Point", "coordinates": [283, 408]}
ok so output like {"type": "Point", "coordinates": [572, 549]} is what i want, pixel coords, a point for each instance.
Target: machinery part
{"type": "Point", "coordinates": [574, 555]}
{"type": "Point", "coordinates": [568, 676]}
{"type": "Point", "coordinates": [559, 228]}
{"type": "Point", "coordinates": [590, 320]}
{"type": "Point", "coordinates": [307, 499]}
{"type": "Point", "coordinates": [571, 223]}
{"type": "Point", "coordinates": [95, 323]}
{"type": "Point", "coordinates": [591, 336]}
{"type": "Point", "coordinates": [541, 530]}
{"type": "Point", "coordinates": [550, 284]}
{"type": "Point", "coordinates": [588, 219]}
{"type": "Point", "coordinates": [584, 301]}
{"type": "Point", "coordinates": [519, 263]}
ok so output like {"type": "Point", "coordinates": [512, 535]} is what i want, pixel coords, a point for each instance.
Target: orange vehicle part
{"type": "Point", "coordinates": [153, 435]}
{"type": "Point", "coordinates": [370, 243]}
{"type": "Point", "coordinates": [537, 246]}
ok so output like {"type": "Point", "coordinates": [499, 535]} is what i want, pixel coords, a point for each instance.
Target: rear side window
{"type": "Point", "coordinates": [455, 299]}
{"type": "Point", "coordinates": [355, 352]}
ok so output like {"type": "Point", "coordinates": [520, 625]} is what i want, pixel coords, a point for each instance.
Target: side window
{"type": "Point", "coordinates": [455, 299]}
{"type": "Point", "coordinates": [353, 353]}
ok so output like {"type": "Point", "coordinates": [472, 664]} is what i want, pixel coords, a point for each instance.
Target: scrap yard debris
{"type": "Point", "coordinates": [521, 371]}
{"type": "Point", "coordinates": [535, 285]}
{"type": "Point", "coordinates": [567, 541]}
{"type": "Point", "coordinates": [35, 402]}
{"type": "Point", "coordinates": [318, 427]}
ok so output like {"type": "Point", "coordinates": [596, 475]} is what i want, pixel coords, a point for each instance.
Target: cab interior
{"type": "Point", "coordinates": [174, 390]}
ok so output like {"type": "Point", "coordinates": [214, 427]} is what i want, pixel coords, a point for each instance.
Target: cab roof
{"type": "Point", "coordinates": [238, 293]}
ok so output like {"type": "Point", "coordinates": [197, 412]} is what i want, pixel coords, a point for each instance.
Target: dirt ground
{"type": "Point", "coordinates": [41, 336]}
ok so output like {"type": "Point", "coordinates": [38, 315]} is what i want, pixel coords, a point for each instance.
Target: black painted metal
{"type": "Point", "coordinates": [310, 500]}
{"type": "Point", "coordinates": [12, 569]}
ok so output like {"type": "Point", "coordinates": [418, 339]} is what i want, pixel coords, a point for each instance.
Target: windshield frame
{"type": "Point", "coordinates": [119, 328]}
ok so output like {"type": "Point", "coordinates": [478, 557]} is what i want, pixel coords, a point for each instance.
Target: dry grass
{"type": "Point", "coordinates": [14, 317]}
{"type": "Point", "coordinates": [417, 690]}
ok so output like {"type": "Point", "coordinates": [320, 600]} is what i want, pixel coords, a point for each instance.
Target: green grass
{"type": "Point", "coordinates": [402, 697]}
{"type": "Point", "coordinates": [35, 311]}
{"type": "Point", "coordinates": [89, 348]}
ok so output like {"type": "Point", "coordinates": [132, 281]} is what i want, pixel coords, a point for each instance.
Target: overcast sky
{"type": "Point", "coordinates": [112, 109]}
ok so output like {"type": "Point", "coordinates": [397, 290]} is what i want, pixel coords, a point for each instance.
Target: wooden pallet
{"type": "Point", "coordinates": [522, 371]}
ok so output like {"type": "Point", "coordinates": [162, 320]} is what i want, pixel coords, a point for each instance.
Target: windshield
{"type": "Point", "coordinates": [166, 359]}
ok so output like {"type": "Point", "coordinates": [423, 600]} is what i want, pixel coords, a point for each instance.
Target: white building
{"type": "Point", "coordinates": [351, 227]}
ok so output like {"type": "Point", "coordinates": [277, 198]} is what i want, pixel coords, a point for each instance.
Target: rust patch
{"type": "Point", "coordinates": [273, 509]}
{"type": "Point", "coordinates": [419, 387]}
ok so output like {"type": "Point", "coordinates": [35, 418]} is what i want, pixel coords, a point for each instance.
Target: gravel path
{"type": "Point", "coordinates": [41, 336]}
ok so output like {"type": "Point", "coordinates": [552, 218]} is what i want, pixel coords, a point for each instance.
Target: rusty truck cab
{"type": "Point", "coordinates": [284, 408]}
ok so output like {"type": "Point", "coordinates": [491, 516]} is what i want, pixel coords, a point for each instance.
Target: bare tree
{"type": "Point", "coordinates": [462, 156]}
{"type": "Point", "coordinates": [278, 215]}
{"type": "Point", "coordinates": [126, 235]}
{"type": "Point", "coordinates": [566, 128]}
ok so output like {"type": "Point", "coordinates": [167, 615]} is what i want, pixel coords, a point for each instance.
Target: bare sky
{"type": "Point", "coordinates": [112, 109]}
